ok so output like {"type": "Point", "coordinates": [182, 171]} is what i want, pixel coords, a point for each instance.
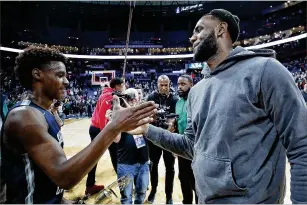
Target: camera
{"type": "Point", "coordinates": [162, 118]}
{"type": "Point", "coordinates": [121, 97]}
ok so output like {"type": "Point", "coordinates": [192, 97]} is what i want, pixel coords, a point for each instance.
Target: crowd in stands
{"type": "Point", "coordinates": [274, 36]}
{"type": "Point", "coordinates": [277, 21]}
{"type": "Point", "coordinates": [82, 96]}
{"type": "Point", "coordinates": [80, 101]}
{"type": "Point", "coordinates": [281, 21]}
{"type": "Point", "coordinates": [298, 68]}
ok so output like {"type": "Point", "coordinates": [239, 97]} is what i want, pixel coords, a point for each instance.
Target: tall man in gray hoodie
{"type": "Point", "coordinates": [244, 117]}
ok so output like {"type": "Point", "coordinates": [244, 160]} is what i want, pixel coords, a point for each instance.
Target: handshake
{"type": "Point", "coordinates": [133, 120]}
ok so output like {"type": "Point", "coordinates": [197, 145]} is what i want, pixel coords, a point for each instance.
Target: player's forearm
{"type": "Point", "coordinates": [173, 142]}
{"type": "Point", "coordinates": [73, 170]}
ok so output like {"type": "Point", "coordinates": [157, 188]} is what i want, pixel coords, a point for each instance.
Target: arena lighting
{"type": "Point", "coordinates": [274, 43]}
{"type": "Point", "coordinates": [148, 57]}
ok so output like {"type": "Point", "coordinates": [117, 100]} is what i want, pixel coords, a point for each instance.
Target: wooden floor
{"type": "Point", "coordinates": [76, 137]}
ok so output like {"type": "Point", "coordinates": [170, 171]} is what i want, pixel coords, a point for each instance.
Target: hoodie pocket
{"type": "Point", "coordinates": [214, 180]}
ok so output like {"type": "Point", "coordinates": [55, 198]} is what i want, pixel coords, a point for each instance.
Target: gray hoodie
{"type": "Point", "coordinates": [244, 117]}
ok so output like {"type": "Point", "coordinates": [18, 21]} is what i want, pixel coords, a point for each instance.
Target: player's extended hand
{"type": "Point", "coordinates": [126, 119]}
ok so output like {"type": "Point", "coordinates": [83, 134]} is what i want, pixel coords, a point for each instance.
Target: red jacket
{"type": "Point", "coordinates": [99, 119]}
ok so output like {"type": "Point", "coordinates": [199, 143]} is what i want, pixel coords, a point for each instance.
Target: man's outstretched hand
{"type": "Point", "coordinates": [126, 119]}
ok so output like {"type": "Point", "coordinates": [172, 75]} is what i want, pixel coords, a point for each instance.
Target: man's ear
{"type": "Point", "coordinates": [37, 74]}
{"type": "Point", "coordinates": [222, 28]}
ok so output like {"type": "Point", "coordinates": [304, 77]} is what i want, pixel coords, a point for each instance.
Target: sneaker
{"type": "Point", "coordinates": [151, 198]}
{"type": "Point", "coordinates": [93, 189]}
{"type": "Point", "coordinates": [169, 201]}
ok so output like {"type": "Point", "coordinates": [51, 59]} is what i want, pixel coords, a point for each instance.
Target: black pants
{"type": "Point", "coordinates": [155, 153]}
{"type": "Point", "coordinates": [91, 177]}
{"type": "Point", "coordinates": [187, 180]}
{"type": "Point", "coordinates": [113, 154]}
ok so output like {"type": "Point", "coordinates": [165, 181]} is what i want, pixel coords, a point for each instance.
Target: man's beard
{"type": "Point", "coordinates": [206, 49]}
{"type": "Point", "coordinates": [184, 94]}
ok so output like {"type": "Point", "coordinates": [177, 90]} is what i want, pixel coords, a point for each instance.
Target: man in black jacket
{"type": "Point", "coordinates": [167, 102]}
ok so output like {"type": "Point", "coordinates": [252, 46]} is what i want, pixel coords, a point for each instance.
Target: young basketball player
{"type": "Point", "coordinates": [34, 166]}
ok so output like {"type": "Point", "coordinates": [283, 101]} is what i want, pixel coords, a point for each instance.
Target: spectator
{"type": "Point", "coordinates": [132, 158]}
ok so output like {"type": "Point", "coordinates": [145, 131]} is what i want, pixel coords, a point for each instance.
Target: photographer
{"type": "Point", "coordinates": [99, 121]}
{"type": "Point", "coordinates": [132, 158]}
{"type": "Point", "coordinates": [167, 103]}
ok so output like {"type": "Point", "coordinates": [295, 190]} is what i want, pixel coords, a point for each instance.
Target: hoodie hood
{"type": "Point", "coordinates": [238, 54]}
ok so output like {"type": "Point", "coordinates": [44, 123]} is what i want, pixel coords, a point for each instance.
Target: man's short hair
{"type": "Point", "coordinates": [132, 93]}
{"type": "Point", "coordinates": [233, 22]}
{"type": "Point", "coordinates": [188, 77]}
{"type": "Point", "coordinates": [35, 57]}
{"type": "Point", "coordinates": [163, 77]}
{"type": "Point", "coordinates": [116, 81]}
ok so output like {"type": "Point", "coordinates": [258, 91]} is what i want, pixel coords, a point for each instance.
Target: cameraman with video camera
{"type": "Point", "coordinates": [167, 103]}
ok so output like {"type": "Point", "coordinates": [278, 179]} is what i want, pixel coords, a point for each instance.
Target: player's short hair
{"type": "Point", "coordinates": [35, 57]}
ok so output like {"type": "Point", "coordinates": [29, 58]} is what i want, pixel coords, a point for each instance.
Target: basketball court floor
{"type": "Point", "coordinates": [76, 137]}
